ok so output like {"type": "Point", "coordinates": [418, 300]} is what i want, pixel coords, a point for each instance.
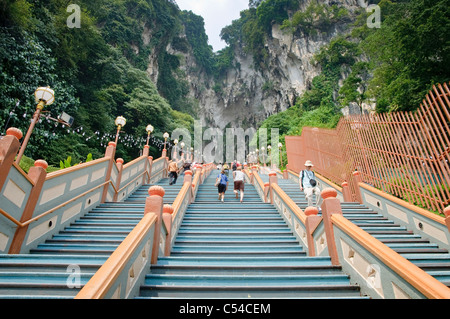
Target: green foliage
{"type": "Point", "coordinates": [354, 88]}
{"type": "Point", "coordinates": [16, 13]}
{"type": "Point", "coordinates": [273, 11]}
{"type": "Point", "coordinates": [66, 164]}
{"type": "Point", "coordinates": [340, 52]}
{"type": "Point", "coordinates": [315, 18]}
{"type": "Point", "coordinates": [196, 36]}
{"type": "Point", "coordinates": [223, 61]}
{"type": "Point", "coordinates": [320, 94]}
{"type": "Point", "coordinates": [26, 163]}
{"type": "Point", "coordinates": [408, 53]}
{"type": "Point", "coordinates": [97, 72]}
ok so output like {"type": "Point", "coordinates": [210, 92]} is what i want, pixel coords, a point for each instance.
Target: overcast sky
{"type": "Point", "coordinates": [217, 14]}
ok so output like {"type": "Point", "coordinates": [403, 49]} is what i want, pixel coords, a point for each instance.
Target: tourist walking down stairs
{"type": "Point", "coordinates": [308, 184]}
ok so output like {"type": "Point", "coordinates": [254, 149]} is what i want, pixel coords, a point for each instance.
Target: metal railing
{"type": "Point", "coordinates": [405, 154]}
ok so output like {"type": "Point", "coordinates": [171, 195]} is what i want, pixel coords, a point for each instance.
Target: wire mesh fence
{"type": "Point", "coordinates": [405, 154]}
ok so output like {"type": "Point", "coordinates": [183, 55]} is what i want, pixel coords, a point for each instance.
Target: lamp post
{"type": "Point", "coordinates": [182, 152]}
{"type": "Point", "coordinates": [280, 146]}
{"type": "Point", "coordinates": [43, 96]}
{"type": "Point", "coordinates": [269, 148]}
{"type": "Point", "coordinates": [149, 130]}
{"type": "Point", "coordinates": [120, 122]}
{"type": "Point", "coordinates": [166, 136]}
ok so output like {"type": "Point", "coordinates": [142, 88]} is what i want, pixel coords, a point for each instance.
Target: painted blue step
{"type": "Point", "coordinates": [418, 250]}
{"type": "Point", "coordinates": [244, 261]}
{"type": "Point", "coordinates": [86, 243]}
{"type": "Point", "coordinates": [241, 250]}
{"type": "Point", "coordinates": [260, 270]}
{"type": "Point", "coordinates": [245, 281]}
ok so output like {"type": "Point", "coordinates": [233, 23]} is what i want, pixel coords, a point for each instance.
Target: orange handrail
{"type": "Point", "coordinates": [103, 280]}
{"type": "Point", "coordinates": [418, 278]}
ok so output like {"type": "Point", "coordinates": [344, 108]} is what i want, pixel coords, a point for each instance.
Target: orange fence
{"type": "Point", "coordinates": [405, 154]}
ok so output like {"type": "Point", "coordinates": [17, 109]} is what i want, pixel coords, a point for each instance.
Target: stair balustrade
{"type": "Point", "coordinates": [124, 271]}
{"type": "Point", "coordinates": [380, 271]}
{"type": "Point", "coordinates": [32, 208]}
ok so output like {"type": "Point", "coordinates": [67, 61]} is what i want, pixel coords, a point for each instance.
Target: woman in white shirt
{"type": "Point", "coordinates": [238, 177]}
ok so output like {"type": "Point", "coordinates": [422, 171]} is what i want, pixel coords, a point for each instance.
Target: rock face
{"type": "Point", "coordinates": [247, 95]}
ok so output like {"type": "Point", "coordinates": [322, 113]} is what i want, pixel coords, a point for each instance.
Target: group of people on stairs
{"type": "Point", "coordinates": [238, 179]}
{"type": "Point", "coordinates": [307, 182]}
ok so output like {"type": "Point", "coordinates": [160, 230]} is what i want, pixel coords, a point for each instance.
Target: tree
{"type": "Point", "coordinates": [354, 88]}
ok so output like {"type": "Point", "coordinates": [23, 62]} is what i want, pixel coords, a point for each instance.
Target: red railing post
{"type": "Point", "coordinates": [447, 216]}
{"type": "Point", "coordinates": [273, 179]}
{"type": "Point", "coordinates": [9, 145]}
{"type": "Point", "coordinates": [37, 174]}
{"type": "Point", "coordinates": [346, 192]}
{"type": "Point", "coordinates": [119, 163]}
{"type": "Point", "coordinates": [312, 220]}
{"type": "Point", "coordinates": [110, 152]}
{"type": "Point", "coordinates": [331, 205]}
{"type": "Point", "coordinates": [167, 218]}
{"type": "Point", "coordinates": [154, 204]}
{"type": "Point", "coordinates": [356, 180]}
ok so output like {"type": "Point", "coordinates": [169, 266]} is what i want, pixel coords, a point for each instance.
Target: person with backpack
{"type": "Point", "coordinates": [222, 184]}
{"type": "Point", "coordinates": [308, 184]}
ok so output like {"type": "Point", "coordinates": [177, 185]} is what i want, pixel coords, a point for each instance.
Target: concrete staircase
{"type": "Point", "coordinates": [241, 250]}
{"type": "Point", "coordinates": [59, 267]}
{"type": "Point", "coordinates": [420, 251]}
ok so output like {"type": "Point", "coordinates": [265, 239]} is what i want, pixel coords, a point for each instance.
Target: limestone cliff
{"type": "Point", "coordinates": [249, 95]}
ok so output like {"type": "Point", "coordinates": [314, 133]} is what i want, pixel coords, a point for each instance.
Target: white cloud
{"type": "Point", "coordinates": [217, 15]}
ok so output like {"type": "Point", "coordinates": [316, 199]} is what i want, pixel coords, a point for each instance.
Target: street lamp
{"type": "Point", "coordinates": [149, 130]}
{"type": "Point", "coordinates": [120, 122]}
{"type": "Point", "coordinates": [182, 152]}
{"type": "Point", "coordinates": [43, 96]}
{"type": "Point", "coordinates": [166, 136]}
{"type": "Point", "coordinates": [269, 148]}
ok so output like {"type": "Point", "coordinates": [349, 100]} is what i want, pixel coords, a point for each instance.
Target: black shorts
{"type": "Point", "coordinates": [221, 188]}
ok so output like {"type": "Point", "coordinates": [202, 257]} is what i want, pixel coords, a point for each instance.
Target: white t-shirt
{"type": "Point", "coordinates": [238, 175]}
